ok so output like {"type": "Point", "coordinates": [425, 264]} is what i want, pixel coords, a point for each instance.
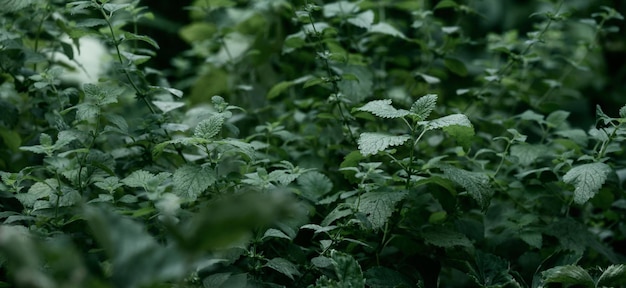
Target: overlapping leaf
{"type": "Point", "coordinates": [587, 180]}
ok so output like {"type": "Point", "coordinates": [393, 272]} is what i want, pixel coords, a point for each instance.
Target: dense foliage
{"type": "Point", "coordinates": [312, 143]}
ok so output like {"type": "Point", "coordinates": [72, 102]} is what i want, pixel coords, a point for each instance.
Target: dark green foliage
{"type": "Point", "coordinates": [312, 144]}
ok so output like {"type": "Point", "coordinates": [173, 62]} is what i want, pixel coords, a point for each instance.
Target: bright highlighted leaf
{"type": "Point", "coordinates": [372, 143]}
{"type": "Point", "coordinates": [378, 206]}
{"type": "Point", "coordinates": [476, 184]}
{"type": "Point", "coordinates": [191, 180]}
{"type": "Point", "coordinates": [208, 128]}
{"type": "Point", "coordinates": [613, 276]}
{"type": "Point", "coordinates": [588, 179]}
{"type": "Point", "coordinates": [363, 20]}
{"type": "Point", "coordinates": [569, 274]}
{"type": "Point", "coordinates": [387, 29]}
{"type": "Point", "coordinates": [454, 119]}
{"type": "Point", "coordinates": [422, 107]}
{"type": "Point", "coordinates": [383, 109]}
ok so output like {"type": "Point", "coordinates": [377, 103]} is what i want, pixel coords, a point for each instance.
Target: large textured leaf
{"type": "Point", "coordinates": [314, 185]}
{"type": "Point", "coordinates": [372, 143]}
{"type": "Point", "coordinates": [208, 128]}
{"type": "Point", "coordinates": [588, 179]}
{"type": "Point", "coordinates": [613, 276]}
{"type": "Point", "coordinates": [383, 109]}
{"type": "Point", "coordinates": [191, 180]}
{"type": "Point", "coordinates": [378, 206]}
{"type": "Point", "coordinates": [347, 269]}
{"type": "Point", "coordinates": [283, 266]}
{"type": "Point", "coordinates": [489, 270]}
{"type": "Point", "coordinates": [569, 274]}
{"type": "Point", "coordinates": [454, 119]}
{"type": "Point", "coordinates": [422, 107]}
{"type": "Point", "coordinates": [9, 6]}
{"type": "Point", "coordinates": [476, 184]}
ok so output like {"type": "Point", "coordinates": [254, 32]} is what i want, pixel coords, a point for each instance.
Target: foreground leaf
{"type": "Point", "coordinates": [372, 143]}
{"type": "Point", "coordinates": [383, 109]}
{"type": "Point", "coordinates": [588, 179]}
{"type": "Point", "coordinates": [191, 180]}
{"type": "Point", "coordinates": [476, 184]}
{"type": "Point", "coordinates": [569, 274]}
{"type": "Point", "coordinates": [378, 206]}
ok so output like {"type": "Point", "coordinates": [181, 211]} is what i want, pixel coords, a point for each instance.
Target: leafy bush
{"type": "Point", "coordinates": [311, 144]}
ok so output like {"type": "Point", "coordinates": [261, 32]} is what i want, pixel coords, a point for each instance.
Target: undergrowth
{"type": "Point", "coordinates": [310, 144]}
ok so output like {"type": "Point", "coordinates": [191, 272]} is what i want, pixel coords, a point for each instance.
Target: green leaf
{"type": "Point", "coordinates": [613, 276]}
{"type": "Point", "coordinates": [454, 119]}
{"type": "Point", "coordinates": [131, 36]}
{"type": "Point", "coordinates": [445, 238]}
{"type": "Point", "coordinates": [9, 6]}
{"type": "Point", "coordinates": [167, 106]}
{"type": "Point", "coordinates": [456, 66]}
{"type": "Point", "coordinates": [347, 270]}
{"type": "Point", "coordinates": [446, 4]}
{"type": "Point", "coordinates": [279, 88]}
{"type": "Point", "coordinates": [383, 109]}
{"type": "Point", "coordinates": [210, 127]}
{"type": "Point", "coordinates": [557, 118]}
{"type": "Point", "coordinates": [191, 180]}
{"type": "Point", "coordinates": [476, 183]}
{"type": "Point", "coordinates": [314, 185]}
{"type": "Point", "coordinates": [569, 274]}
{"type": "Point", "coordinates": [275, 233]}
{"type": "Point", "coordinates": [587, 180]}
{"type": "Point", "coordinates": [622, 112]}
{"type": "Point", "coordinates": [378, 206]}
{"type": "Point", "coordinates": [363, 20]}
{"type": "Point", "coordinates": [429, 78]}
{"type": "Point", "coordinates": [489, 270]}
{"type": "Point", "coordinates": [101, 94]}
{"type": "Point", "coordinates": [145, 179]}
{"type": "Point", "coordinates": [283, 266]}
{"type": "Point", "coordinates": [462, 134]}
{"type": "Point", "coordinates": [372, 143]}
{"type": "Point", "coordinates": [527, 154]}
{"type": "Point", "coordinates": [387, 29]}
{"type": "Point", "coordinates": [356, 91]}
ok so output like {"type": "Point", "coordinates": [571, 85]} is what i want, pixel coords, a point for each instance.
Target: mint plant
{"type": "Point", "coordinates": [312, 144]}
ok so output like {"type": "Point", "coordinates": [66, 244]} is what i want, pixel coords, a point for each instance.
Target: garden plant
{"type": "Point", "coordinates": [276, 143]}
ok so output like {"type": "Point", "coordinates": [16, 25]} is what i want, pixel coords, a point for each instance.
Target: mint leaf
{"type": "Point", "coordinates": [622, 112]}
{"type": "Point", "coordinates": [454, 119]}
{"type": "Point", "coordinates": [191, 180]}
{"type": "Point", "coordinates": [385, 28]}
{"type": "Point", "coordinates": [372, 143]}
{"type": "Point", "coordinates": [283, 266]}
{"type": "Point", "coordinates": [422, 107]}
{"type": "Point", "coordinates": [476, 183]}
{"type": "Point", "coordinates": [587, 180]}
{"type": "Point", "coordinates": [347, 269]}
{"type": "Point", "coordinates": [383, 109]}
{"type": "Point", "coordinates": [568, 274]}
{"type": "Point", "coordinates": [208, 128]}
{"type": "Point", "coordinates": [314, 185]}
{"type": "Point", "coordinates": [378, 206]}
{"type": "Point", "coordinates": [613, 276]}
